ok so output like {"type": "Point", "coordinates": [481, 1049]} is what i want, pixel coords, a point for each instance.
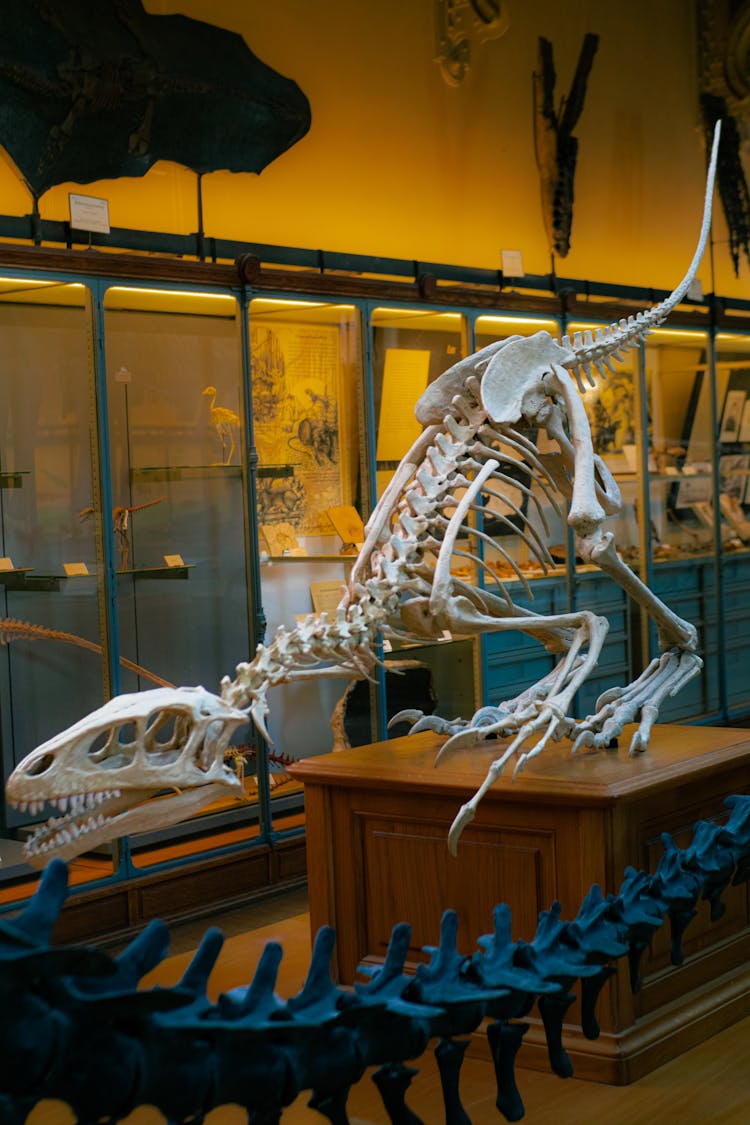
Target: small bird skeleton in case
{"type": "Point", "coordinates": [475, 417]}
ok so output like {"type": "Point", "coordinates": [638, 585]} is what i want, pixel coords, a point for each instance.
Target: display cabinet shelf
{"type": "Point", "coordinates": [270, 560]}
{"type": "Point", "coordinates": [24, 579]}
{"type": "Point", "coordinates": [13, 479]}
{"type": "Point", "coordinates": [153, 474]}
{"type": "Point", "coordinates": [179, 573]}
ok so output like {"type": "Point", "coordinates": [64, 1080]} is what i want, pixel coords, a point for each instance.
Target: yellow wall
{"type": "Point", "coordinates": [398, 163]}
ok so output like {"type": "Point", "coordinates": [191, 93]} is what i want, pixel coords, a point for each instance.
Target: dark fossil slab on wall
{"type": "Point", "coordinates": [92, 90]}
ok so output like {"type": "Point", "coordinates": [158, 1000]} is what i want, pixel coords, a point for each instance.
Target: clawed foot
{"type": "Point", "coordinates": [641, 700]}
{"type": "Point", "coordinates": [541, 714]}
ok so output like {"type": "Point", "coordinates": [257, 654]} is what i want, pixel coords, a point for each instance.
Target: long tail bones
{"type": "Point", "coordinates": [483, 421]}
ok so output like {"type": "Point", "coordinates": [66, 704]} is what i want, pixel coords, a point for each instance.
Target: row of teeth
{"type": "Point", "coordinates": [65, 835]}
{"type": "Point", "coordinates": [74, 805]}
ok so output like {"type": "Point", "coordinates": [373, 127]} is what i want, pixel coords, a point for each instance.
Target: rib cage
{"type": "Point", "coordinates": [415, 551]}
{"type": "Point", "coordinates": [451, 467]}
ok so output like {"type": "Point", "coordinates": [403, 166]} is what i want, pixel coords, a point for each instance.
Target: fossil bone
{"type": "Point", "coordinates": [104, 772]}
{"type": "Point", "coordinates": [475, 417]}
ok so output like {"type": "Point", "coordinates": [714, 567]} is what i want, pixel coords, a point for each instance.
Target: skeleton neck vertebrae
{"type": "Point", "coordinates": [480, 445]}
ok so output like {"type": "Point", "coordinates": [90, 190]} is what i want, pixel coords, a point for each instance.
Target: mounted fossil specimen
{"type": "Point", "coordinates": [477, 419]}
{"type": "Point", "coordinates": [121, 514]}
{"type": "Point", "coordinates": [225, 422]}
{"type": "Point", "coordinates": [93, 91]}
{"type": "Point", "coordinates": [724, 77]}
{"type": "Point", "coordinates": [86, 1029]}
{"type": "Point", "coordinates": [556, 147]}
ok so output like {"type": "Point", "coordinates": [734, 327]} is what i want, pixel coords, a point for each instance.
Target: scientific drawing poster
{"type": "Point", "coordinates": [298, 424]}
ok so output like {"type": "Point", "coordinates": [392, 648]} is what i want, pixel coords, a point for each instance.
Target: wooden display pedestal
{"type": "Point", "coordinates": [377, 822]}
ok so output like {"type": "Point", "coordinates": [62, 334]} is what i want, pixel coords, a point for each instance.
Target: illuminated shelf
{"type": "Point", "coordinates": [160, 572]}
{"type": "Point", "coordinates": [156, 473]}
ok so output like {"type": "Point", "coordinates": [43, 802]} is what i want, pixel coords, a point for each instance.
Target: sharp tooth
{"type": "Point", "coordinates": [22, 806]}
{"type": "Point", "coordinates": [62, 804]}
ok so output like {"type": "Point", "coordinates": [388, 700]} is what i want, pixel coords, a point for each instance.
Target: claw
{"type": "Point", "coordinates": [585, 738]}
{"type": "Point", "coordinates": [471, 736]}
{"type": "Point", "coordinates": [408, 715]}
{"type": "Point", "coordinates": [464, 817]}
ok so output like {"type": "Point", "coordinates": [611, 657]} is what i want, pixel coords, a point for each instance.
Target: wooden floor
{"type": "Point", "coordinates": [710, 1084]}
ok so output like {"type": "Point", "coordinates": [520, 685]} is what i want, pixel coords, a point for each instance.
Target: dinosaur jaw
{"type": "Point", "coordinates": [97, 818]}
{"type": "Point", "coordinates": [107, 771]}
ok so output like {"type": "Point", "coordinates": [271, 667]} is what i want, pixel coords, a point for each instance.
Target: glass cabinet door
{"type": "Point", "coordinates": [733, 401]}
{"type": "Point", "coordinates": [410, 349]}
{"type": "Point", "coordinates": [175, 398]}
{"type": "Point", "coordinates": [50, 570]}
{"type": "Point", "coordinates": [680, 503]}
{"type": "Point", "coordinates": [306, 375]}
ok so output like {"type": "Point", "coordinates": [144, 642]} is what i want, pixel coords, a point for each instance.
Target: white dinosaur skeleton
{"type": "Point", "coordinates": [476, 418]}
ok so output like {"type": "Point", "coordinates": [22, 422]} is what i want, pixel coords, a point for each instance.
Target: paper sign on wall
{"type": "Point", "coordinates": [404, 379]}
{"type": "Point", "coordinates": [87, 212]}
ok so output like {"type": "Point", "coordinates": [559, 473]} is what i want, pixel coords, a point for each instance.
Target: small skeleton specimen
{"type": "Point", "coordinates": [224, 421]}
{"type": "Point", "coordinates": [476, 420]}
{"type": "Point", "coordinates": [120, 520]}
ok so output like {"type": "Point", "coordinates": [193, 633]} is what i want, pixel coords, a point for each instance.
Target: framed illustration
{"type": "Point", "coordinates": [611, 411]}
{"type": "Point", "coordinates": [300, 424]}
{"type": "Point", "coordinates": [733, 469]}
{"type": "Point", "coordinates": [731, 417]}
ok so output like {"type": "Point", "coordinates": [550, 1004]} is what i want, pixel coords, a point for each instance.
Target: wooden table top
{"type": "Point", "coordinates": [676, 754]}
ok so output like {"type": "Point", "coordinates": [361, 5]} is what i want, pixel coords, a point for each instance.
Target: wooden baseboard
{"type": "Point", "coordinates": [194, 890]}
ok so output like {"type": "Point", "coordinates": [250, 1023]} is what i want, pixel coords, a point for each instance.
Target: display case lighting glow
{"type": "Point", "coordinates": [413, 314]}
{"type": "Point", "coordinates": [199, 295]}
{"type": "Point", "coordinates": [30, 283]}
{"type": "Point", "coordinates": [488, 321]}
{"type": "Point", "coordinates": [675, 334]}
{"type": "Point", "coordinates": [284, 304]}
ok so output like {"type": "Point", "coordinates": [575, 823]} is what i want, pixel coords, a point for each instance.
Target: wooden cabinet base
{"type": "Point", "coordinates": [377, 823]}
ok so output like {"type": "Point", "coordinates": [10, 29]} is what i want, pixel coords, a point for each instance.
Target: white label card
{"type": "Point", "coordinates": [87, 212]}
{"type": "Point", "coordinates": [75, 569]}
{"type": "Point", "coordinates": [512, 263]}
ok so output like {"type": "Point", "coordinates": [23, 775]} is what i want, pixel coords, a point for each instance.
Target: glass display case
{"type": "Point", "coordinates": [679, 525]}
{"type": "Point", "coordinates": [53, 665]}
{"type": "Point", "coordinates": [178, 486]}
{"type": "Point", "coordinates": [733, 453]}
{"type": "Point", "coordinates": [306, 373]}
{"type": "Point", "coordinates": [185, 468]}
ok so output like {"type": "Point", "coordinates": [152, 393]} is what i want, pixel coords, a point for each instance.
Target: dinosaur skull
{"type": "Point", "coordinates": [103, 771]}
